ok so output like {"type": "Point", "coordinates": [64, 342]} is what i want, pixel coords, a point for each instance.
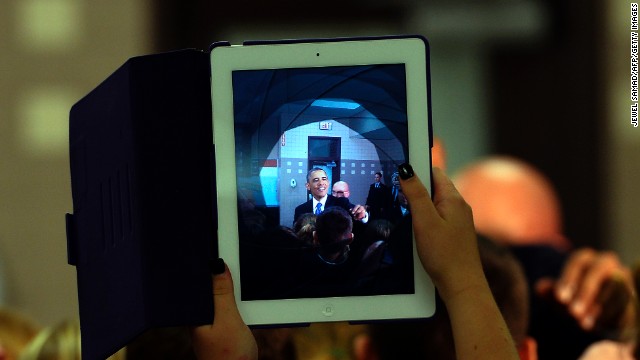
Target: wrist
{"type": "Point", "coordinates": [470, 286]}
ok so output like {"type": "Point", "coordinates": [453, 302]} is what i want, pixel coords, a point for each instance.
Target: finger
{"type": "Point", "coordinates": [422, 208]}
{"type": "Point", "coordinates": [224, 301]}
{"type": "Point", "coordinates": [572, 273]}
{"type": "Point", "coordinates": [610, 305]}
{"type": "Point", "coordinates": [447, 199]}
{"type": "Point", "coordinates": [357, 212]}
{"type": "Point", "coordinates": [228, 336]}
{"type": "Point", "coordinates": [595, 276]}
{"type": "Point", "coordinates": [224, 305]}
{"type": "Point", "coordinates": [223, 284]}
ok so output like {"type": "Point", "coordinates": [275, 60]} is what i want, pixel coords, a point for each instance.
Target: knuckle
{"type": "Point", "coordinates": [583, 256]}
{"type": "Point", "coordinates": [418, 195]}
{"type": "Point", "coordinates": [609, 257]}
{"type": "Point", "coordinates": [586, 253]}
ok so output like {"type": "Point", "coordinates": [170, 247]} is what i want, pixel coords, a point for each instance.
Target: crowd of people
{"type": "Point", "coordinates": [578, 296]}
{"type": "Point", "coordinates": [333, 248]}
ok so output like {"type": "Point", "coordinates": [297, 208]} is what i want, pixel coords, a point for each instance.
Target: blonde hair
{"type": "Point", "coordinates": [59, 342]}
{"type": "Point", "coordinates": [16, 331]}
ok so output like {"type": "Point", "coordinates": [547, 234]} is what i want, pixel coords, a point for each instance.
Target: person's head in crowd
{"type": "Point", "coordinates": [379, 229]}
{"type": "Point", "coordinates": [377, 177]}
{"type": "Point", "coordinates": [317, 182]}
{"type": "Point", "coordinates": [512, 201]}
{"type": "Point", "coordinates": [16, 331]}
{"type": "Point", "coordinates": [305, 226]}
{"type": "Point", "coordinates": [62, 342]}
{"type": "Point", "coordinates": [433, 339]}
{"type": "Point", "coordinates": [276, 343]}
{"type": "Point", "coordinates": [508, 284]}
{"type": "Point", "coordinates": [340, 189]}
{"type": "Point", "coordinates": [325, 340]}
{"type": "Point", "coordinates": [333, 234]}
{"type": "Point", "coordinates": [59, 342]}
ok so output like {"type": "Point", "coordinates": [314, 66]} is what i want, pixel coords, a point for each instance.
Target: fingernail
{"type": "Point", "coordinates": [577, 308]}
{"type": "Point", "coordinates": [405, 171]}
{"type": "Point", "coordinates": [565, 294]}
{"type": "Point", "coordinates": [588, 322]}
{"type": "Point", "coordinates": [216, 266]}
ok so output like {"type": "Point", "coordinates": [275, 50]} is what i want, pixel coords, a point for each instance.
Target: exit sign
{"type": "Point", "coordinates": [325, 125]}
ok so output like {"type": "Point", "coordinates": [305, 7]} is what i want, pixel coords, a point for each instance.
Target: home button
{"type": "Point", "coordinates": [328, 310]}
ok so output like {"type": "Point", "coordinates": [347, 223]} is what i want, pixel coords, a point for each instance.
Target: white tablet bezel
{"type": "Point", "coordinates": [411, 51]}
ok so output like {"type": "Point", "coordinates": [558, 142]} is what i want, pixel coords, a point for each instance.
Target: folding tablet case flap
{"type": "Point", "coordinates": [142, 232]}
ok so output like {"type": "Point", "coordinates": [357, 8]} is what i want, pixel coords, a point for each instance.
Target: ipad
{"type": "Point", "coordinates": [290, 119]}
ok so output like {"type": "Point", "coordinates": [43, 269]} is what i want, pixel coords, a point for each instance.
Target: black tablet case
{"type": "Point", "coordinates": [142, 231]}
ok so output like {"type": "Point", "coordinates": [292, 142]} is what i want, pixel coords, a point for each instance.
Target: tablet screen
{"type": "Point", "coordinates": [335, 125]}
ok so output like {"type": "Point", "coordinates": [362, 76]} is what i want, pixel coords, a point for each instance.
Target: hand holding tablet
{"type": "Point", "coordinates": [447, 246]}
{"type": "Point", "coordinates": [228, 337]}
{"type": "Point", "coordinates": [445, 235]}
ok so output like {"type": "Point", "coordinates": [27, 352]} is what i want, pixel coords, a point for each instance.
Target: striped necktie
{"type": "Point", "coordinates": [318, 208]}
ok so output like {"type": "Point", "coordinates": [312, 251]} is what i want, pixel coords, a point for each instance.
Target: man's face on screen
{"type": "Point", "coordinates": [340, 189]}
{"type": "Point", "coordinates": [318, 184]}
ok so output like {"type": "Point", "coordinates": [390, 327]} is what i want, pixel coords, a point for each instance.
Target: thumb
{"type": "Point", "coordinates": [224, 301]}
{"type": "Point", "coordinates": [222, 282]}
{"type": "Point", "coordinates": [228, 336]}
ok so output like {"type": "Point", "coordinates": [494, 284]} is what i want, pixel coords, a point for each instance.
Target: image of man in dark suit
{"type": "Point", "coordinates": [318, 184]}
{"type": "Point", "coordinates": [378, 199]}
{"type": "Point", "coordinates": [399, 208]}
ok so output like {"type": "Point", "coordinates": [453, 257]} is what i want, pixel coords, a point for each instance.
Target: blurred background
{"type": "Point", "coordinates": [546, 81]}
